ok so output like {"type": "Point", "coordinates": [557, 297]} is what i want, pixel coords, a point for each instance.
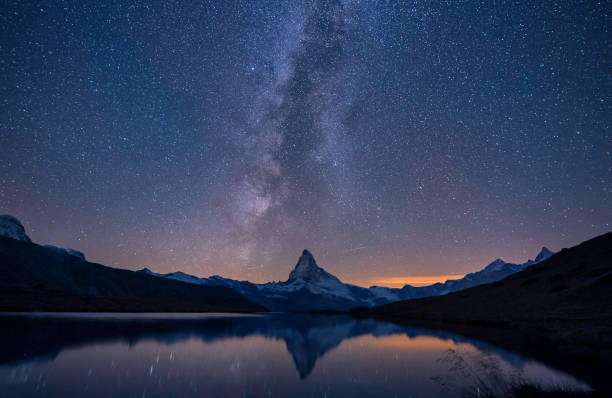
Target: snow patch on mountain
{"type": "Point", "coordinates": [68, 251]}
{"type": "Point", "coordinates": [386, 293]}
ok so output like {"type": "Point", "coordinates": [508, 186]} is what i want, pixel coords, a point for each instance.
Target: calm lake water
{"type": "Point", "coordinates": [227, 355]}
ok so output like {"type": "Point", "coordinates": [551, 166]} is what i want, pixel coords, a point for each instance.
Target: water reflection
{"type": "Point", "coordinates": [193, 354]}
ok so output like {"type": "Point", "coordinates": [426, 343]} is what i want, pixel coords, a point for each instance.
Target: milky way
{"type": "Point", "coordinates": [389, 138]}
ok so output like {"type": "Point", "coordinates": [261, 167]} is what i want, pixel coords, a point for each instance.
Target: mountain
{"type": "Point", "coordinates": [47, 278]}
{"type": "Point", "coordinates": [11, 227]}
{"type": "Point", "coordinates": [543, 255]}
{"type": "Point", "coordinates": [311, 288]}
{"type": "Point", "coordinates": [571, 291]}
{"type": "Point", "coordinates": [493, 272]}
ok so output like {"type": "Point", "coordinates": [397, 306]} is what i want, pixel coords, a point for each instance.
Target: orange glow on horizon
{"type": "Point", "coordinates": [399, 281]}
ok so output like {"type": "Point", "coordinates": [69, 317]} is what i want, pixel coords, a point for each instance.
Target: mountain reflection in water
{"type": "Point", "coordinates": [188, 354]}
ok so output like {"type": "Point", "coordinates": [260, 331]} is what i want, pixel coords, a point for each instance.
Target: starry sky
{"type": "Point", "coordinates": [391, 138]}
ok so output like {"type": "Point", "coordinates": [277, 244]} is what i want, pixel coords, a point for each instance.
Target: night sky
{"type": "Point", "coordinates": [392, 139]}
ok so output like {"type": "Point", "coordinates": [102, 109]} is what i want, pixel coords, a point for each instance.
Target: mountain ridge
{"type": "Point", "coordinates": [34, 277]}
{"type": "Point", "coordinates": [11, 227]}
{"type": "Point", "coordinates": [310, 287]}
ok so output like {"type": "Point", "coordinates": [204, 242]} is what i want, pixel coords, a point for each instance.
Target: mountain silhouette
{"type": "Point", "coordinates": [35, 277]}
{"type": "Point", "coordinates": [310, 288]}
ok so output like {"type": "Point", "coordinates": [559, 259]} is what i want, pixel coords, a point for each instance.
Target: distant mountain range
{"type": "Point", "coordinates": [311, 288]}
{"type": "Point", "coordinates": [48, 278]}
{"type": "Point", "coordinates": [573, 286]}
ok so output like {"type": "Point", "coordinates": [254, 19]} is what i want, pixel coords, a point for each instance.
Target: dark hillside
{"type": "Point", "coordinates": [37, 278]}
{"type": "Point", "coordinates": [574, 285]}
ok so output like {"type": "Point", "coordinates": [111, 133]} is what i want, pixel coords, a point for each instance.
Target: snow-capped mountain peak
{"type": "Point", "coordinates": [12, 228]}
{"type": "Point", "coordinates": [307, 270]}
{"type": "Point", "coordinates": [500, 265]}
{"type": "Point", "coordinates": [543, 255]}
{"type": "Point", "coordinates": [496, 265]}
{"type": "Point", "coordinates": [307, 274]}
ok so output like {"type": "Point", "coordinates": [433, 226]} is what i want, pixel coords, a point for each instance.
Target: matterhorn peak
{"type": "Point", "coordinates": [12, 228]}
{"type": "Point", "coordinates": [307, 269]}
{"type": "Point", "coordinates": [306, 255]}
{"type": "Point", "coordinates": [544, 254]}
{"type": "Point", "coordinates": [306, 266]}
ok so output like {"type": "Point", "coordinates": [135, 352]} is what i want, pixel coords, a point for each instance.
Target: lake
{"type": "Point", "coordinates": [272, 355]}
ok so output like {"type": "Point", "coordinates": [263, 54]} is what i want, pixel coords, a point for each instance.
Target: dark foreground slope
{"type": "Point", "coordinates": [37, 278]}
{"type": "Point", "coordinates": [574, 285]}
{"type": "Point", "coordinates": [559, 310]}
